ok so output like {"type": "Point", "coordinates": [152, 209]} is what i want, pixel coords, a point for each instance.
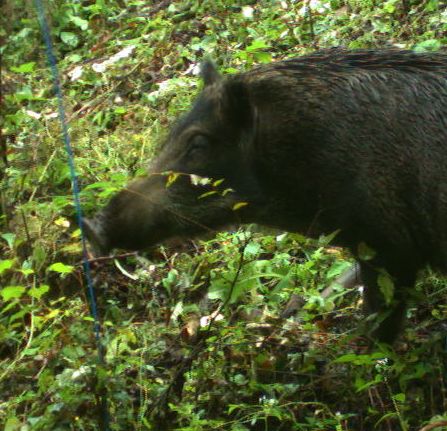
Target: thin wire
{"type": "Point", "coordinates": [75, 190]}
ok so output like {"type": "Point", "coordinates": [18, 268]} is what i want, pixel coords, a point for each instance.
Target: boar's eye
{"type": "Point", "coordinates": [198, 144]}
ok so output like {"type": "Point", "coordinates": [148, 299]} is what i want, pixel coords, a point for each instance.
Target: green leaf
{"type": "Point", "coordinates": [233, 407]}
{"type": "Point", "coordinates": [25, 93]}
{"type": "Point", "coordinates": [239, 205]}
{"type": "Point", "coordinates": [38, 292]}
{"type": "Point", "coordinates": [101, 185]}
{"type": "Point", "coordinates": [172, 178]}
{"type": "Point", "coordinates": [39, 256]}
{"type": "Point", "coordinates": [33, 351]}
{"type": "Point", "coordinates": [386, 285]}
{"type": "Point", "coordinates": [198, 180]}
{"type": "Point", "coordinates": [210, 193]}
{"type": "Point", "coordinates": [74, 58]}
{"type": "Point", "coordinates": [69, 38]}
{"type": "Point", "coordinates": [284, 282]}
{"type": "Point", "coordinates": [359, 359]}
{"type": "Point", "coordinates": [120, 110]}
{"type": "Point", "coordinates": [12, 292]}
{"type": "Point", "coordinates": [13, 424]}
{"type": "Point", "coordinates": [263, 57]}
{"type": "Point", "coordinates": [428, 45]}
{"type": "Point", "coordinates": [73, 352]}
{"type": "Point", "coordinates": [339, 267]}
{"type": "Point", "coordinates": [226, 191]}
{"type": "Point", "coordinates": [53, 313]}
{"type": "Point", "coordinates": [389, 6]}
{"type": "Point", "coordinates": [366, 385]}
{"type": "Point", "coordinates": [61, 268]}
{"type": "Point", "coordinates": [79, 22]}
{"type": "Point", "coordinates": [432, 5]}
{"type": "Point", "coordinates": [252, 249]}
{"type": "Point", "coordinates": [9, 238]}
{"type": "Point", "coordinates": [24, 68]}
{"type": "Point", "coordinates": [325, 240]}
{"type": "Point", "coordinates": [170, 280]}
{"type": "Point", "coordinates": [385, 417]}
{"type": "Point", "coordinates": [365, 252]}
{"type": "Point", "coordinates": [220, 289]}
{"type": "Point", "coordinates": [257, 45]}
{"type": "Point", "coordinates": [5, 265]}
{"type": "Point", "coordinates": [240, 379]}
{"type": "Point", "coordinates": [400, 398]}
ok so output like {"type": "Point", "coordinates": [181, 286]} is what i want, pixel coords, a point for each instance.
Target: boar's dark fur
{"type": "Point", "coordinates": [354, 141]}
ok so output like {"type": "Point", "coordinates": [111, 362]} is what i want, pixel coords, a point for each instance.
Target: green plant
{"type": "Point", "coordinates": [196, 337]}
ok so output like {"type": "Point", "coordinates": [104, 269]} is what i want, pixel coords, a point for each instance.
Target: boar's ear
{"type": "Point", "coordinates": [209, 73]}
{"type": "Point", "coordinates": [238, 105]}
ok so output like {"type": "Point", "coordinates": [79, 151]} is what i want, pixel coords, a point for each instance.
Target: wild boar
{"type": "Point", "coordinates": [338, 140]}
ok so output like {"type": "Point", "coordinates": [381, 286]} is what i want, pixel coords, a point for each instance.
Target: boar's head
{"type": "Point", "coordinates": [212, 141]}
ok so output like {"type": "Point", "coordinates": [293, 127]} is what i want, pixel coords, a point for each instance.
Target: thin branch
{"type": "Point", "coordinates": [434, 425]}
{"type": "Point", "coordinates": [106, 258]}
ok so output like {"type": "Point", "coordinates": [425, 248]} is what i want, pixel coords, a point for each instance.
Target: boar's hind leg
{"type": "Point", "coordinates": [389, 317]}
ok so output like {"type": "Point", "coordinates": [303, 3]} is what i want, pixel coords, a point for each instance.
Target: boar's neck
{"type": "Point", "coordinates": [286, 159]}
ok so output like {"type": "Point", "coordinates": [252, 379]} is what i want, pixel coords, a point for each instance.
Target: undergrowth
{"type": "Point", "coordinates": [236, 331]}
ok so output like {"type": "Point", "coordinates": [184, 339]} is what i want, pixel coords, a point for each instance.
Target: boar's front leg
{"type": "Point", "coordinates": [389, 317]}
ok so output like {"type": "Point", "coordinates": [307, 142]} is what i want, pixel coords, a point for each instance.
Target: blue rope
{"type": "Point", "coordinates": [75, 188]}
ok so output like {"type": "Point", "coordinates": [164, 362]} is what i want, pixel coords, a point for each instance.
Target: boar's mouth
{"type": "Point", "coordinates": [95, 236]}
{"type": "Point", "coordinates": [104, 236]}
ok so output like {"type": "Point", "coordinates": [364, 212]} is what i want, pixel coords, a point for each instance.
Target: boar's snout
{"type": "Point", "coordinates": [94, 233]}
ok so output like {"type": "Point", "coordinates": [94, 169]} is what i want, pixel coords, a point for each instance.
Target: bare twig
{"type": "Point", "coordinates": [233, 283]}
{"type": "Point", "coordinates": [106, 258]}
{"type": "Point", "coordinates": [178, 380]}
{"type": "Point", "coordinates": [3, 148]}
{"type": "Point", "coordinates": [311, 23]}
{"type": "Point", "coordinates": [435, 425]}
